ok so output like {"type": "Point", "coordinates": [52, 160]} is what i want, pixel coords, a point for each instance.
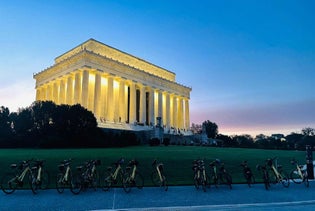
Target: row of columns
{"type": "Point", "coordinates": [114, 99]}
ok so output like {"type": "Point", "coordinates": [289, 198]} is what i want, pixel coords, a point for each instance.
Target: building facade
{"type": "Point", "coordinates": [119, 88]}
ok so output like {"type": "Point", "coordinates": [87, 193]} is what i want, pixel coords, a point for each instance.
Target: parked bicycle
{"type": "Point", "coordinates": [265, 175]}
{"type": "Point", "coordinates": [64, 177]}
{"type": "Point", "coordinates": [113, 175]}
{"type": "Point", "coordinates": [277, 174]}
{"type": "Point", "coordinates": [40, 180]}
{"type": "Point", "coordinates": [219, 174]}
{"type": "Point", "coordinates": [157, 176]}
{"type": "Point", "coordinates": [132, 177]}
{"type": "Point", "coordinates": [200, 176]}
{"type": "Point", "coordinates": [87, 177]}
{"type": "Point", "coordinates": [16, 179]}
{"type": "Point", "coordinates": [299, 174]}
{"type": "Point", "coordinates": [248, 174]}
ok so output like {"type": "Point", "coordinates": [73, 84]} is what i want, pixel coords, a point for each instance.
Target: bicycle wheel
{"type": "Point", "coordinates": [156, 179]}
{"type": "Point", "coordinates": [266, 180]}
{"type": "Point", "coordinates": [295, 176]}
{"type": "Point", "coordinates": [306, 182]}
{"type": "Point", "coordinates": [60, 184]}
{"type": "Point", "coordinates": [285, 179]}
{"type": "Point", "coordinates": [225, 178]}
{"type": "Point", "coordinates": [250, 180]}
{"type": "Point", "coordinates": [126, 182]}
{"type": "Point", "coordinates": [204, 184]}
{"type": "Point", "coordinates": [76, 184]}
{"type": "Point", "coordinates": [9, 183]}
{"type": "Point", "coordinates": [34, 183]}
{"type": "Point", "coordinates": [196, 182]}
{"type": "Point", "coordinates": [215, 180]}
{"type": "Point", "coordinates": [95, 180]}
{"type": "Point", "coordinates": [164, 183]}
{"type": "Point", "coordinates": [272, 177]}
{"type": "Point", "coordinates": [139, 181]}
{"type": "Point", "coordinates": [43, 184]}
{"type": "Point", "coordinates": [108, 180]}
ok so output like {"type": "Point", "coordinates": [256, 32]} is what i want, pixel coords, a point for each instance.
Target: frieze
{"type": "Point", "coordinates": [97, 61]}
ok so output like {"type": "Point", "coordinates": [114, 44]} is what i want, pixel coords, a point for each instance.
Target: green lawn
{"type": "Point", "coordinates": [177, 159]}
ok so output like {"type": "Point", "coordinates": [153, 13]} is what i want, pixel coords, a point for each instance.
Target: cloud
{"type": "Point", "coordinates": [18, 95]}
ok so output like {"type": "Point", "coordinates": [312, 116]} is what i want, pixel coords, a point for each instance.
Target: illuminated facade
{"type": "Point", "coordinates": [117, 87]}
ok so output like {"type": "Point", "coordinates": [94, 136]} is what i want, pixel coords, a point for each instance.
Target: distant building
{"type": "Point", "coordinates": [120, 89]}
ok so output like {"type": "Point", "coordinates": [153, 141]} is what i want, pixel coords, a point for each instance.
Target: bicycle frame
{"type": "Point", "coordinates": [24, 172]}
{"type": "Point", "coordinates": [159, 172]}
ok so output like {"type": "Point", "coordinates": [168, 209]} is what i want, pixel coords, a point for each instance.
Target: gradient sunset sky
{"type": "Point", "coordinates": [251, 64]}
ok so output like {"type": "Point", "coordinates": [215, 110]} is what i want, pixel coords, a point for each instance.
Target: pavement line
{"type": "Point", "coordinates": [225, 206]}
{"type": "Point", "coordinates": [114, 199]}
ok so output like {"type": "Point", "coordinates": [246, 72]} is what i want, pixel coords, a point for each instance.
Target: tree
{"type": "Point", "coordinates": [5, 123]}
{"type": "Point", "coordinates": [308, 131]}
{"type": "Point", "coordinates": [211, 129]}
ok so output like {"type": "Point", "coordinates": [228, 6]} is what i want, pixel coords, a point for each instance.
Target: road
{"type": "Point", "coordinates": [296, 197]}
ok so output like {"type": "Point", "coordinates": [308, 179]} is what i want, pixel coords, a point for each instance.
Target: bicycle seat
{"type": "Point", "coordinates": [109, 168]}
{"type": "Point", "coordinates": [13, 166]}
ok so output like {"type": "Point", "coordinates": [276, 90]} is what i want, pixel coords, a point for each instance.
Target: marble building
{"type": "Point", "coordinates": [120, 89]}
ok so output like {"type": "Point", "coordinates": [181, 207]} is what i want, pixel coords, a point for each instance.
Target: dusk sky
{"type": "Point", "coordinates": [251, 64]}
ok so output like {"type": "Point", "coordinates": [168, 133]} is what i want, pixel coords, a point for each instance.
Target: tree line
{"type": "Point", "coordinates": [47, 125]}
{"type": "Point", "coordinates": [293, 141]}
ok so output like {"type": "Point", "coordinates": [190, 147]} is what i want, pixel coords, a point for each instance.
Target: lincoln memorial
{"type": "Point", "coordinates": [121, 90]}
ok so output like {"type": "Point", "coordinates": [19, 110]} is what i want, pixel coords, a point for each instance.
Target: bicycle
{"type": "Point", "coordinates": [214, 173]}
{"type": "Point", "coordinates": [277, 174]}
{"type": "Point", "coordinates": [248, 174]}
{"type": "Point", "coordinates": [132, 177]}
{"type": "Point", "coordinates": [157, 176]}
{"type": "Point", "coordinates": [86, 177]}
{"type": "Point", "coordinates": [113, 175]}
{"type": "Point", "coordinates": [40, 180]}
{"type": "Point", "coordinates": [64, 177]}
{"type": "Point", "coordinates": [224, 176]}
{"type": "Point", "coordinates": [298, 174]}
{"type": "Point", "coordinates": [265, 175]}
{"type": "Point", "coordinates": [13, 180]}
{"type": "Point", "coordinates": [200, 176]}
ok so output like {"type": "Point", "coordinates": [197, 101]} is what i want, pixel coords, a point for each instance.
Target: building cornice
{"type": "Point", "coordinates": [91, 60]}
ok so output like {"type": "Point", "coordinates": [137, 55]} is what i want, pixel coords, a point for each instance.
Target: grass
{"type": "Point", "coordinates": [177, 159]}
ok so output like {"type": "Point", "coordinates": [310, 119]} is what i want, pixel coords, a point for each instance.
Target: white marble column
{"type": "Point", "coordinates": [187, 119]}
{"type": "Point", "coordinates": [49, 92]}
{"type": "Point", "coordinates": [97, 95]}
{"type": "Point", "coordinates": [160, 106]}
{"type": "Point", "coordinates": [110, 99]}
{"type": "Point", "coordinates": [180, 113]}
{"type": "Point", "coordinates": [122, 101]}
{"type": "Point", "coordinates": [77, 88]}
{"type": "Point", "coordinates": [167, 110]}
{"type": "Point", "coordinates": [69, 97]}
{"type": "Point", "coordinates": [85, 88]}
{"type": "Point", "coordinates": [132, 103]}
{"type": "Point", "coordinates": [38, 94]}
{"type": "Point", "coordinates": [175, 113]}
{"type": "Point", "coordinates": [62, 92]}
{"type": "Point", "coordinates": [142, 105]}
{"type": "Point", "coordinates": [151, 107]}
{"type": "Point", "coordinates": [56, 92]}
{"type": "Point", "coordinates": [104, 98]}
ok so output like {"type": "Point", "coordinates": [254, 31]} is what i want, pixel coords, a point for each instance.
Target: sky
{"type": "Point", "coordinates": [250, 63]}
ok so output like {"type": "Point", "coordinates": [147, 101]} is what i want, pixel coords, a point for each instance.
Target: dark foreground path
{"type": "Point", "coordinates": [296, 197]}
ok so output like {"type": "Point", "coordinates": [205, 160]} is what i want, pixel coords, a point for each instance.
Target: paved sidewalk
{"type": "Point", "coordinates": [241, 197]}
